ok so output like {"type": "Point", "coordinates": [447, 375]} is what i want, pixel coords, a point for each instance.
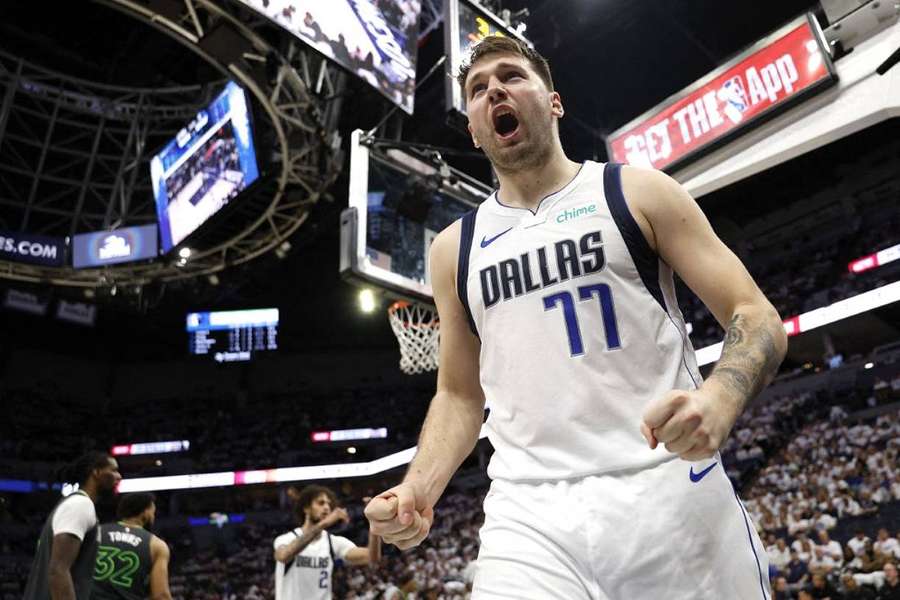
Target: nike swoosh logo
{"type": "Point", "coordinates": [695, 477]}
{"type": "Point", "coordinates": [485, 242]}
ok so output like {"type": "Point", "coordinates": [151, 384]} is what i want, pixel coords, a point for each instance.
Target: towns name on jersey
{"type": "Point", "coordinates": [312, 562]}
{"type": "Point", "coordinates": [542, 267]}
{"type": "Point", "coordinates": [124, 538]}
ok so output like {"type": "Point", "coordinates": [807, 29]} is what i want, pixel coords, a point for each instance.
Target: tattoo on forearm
{"type": "Point", "coordinates": [748, 363]}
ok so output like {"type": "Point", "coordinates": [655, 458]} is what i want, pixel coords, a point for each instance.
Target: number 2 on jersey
{"type": "Point", "coordinates": [573, 330]}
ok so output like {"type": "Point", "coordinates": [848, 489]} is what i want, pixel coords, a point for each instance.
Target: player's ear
{"type": "Point", "coordinates": [472, 133]}
{"type": "Point", "coordinates": [556, 106]}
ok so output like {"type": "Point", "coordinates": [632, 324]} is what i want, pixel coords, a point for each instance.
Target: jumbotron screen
{"type": "Point", "coordinates": [233, 335]}
{"type": "Point", "coordinates": [207, 164]}
{"type": "Point", "coordinates": [376, 40]}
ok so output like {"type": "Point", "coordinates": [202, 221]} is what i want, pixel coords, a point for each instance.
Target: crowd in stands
{"type": "Point", "coordinates": [802, 262]}
{"type": "Point", "coordinates": [812, 277]}
{"type": "Point", "coordinates": [819, 477]}
{"type": "Point", "coordinates": [224, 434]}
{"type": "Point", "coordinates": [825, 479]}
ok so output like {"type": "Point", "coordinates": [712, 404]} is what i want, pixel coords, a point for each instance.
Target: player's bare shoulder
{"type": "Point", "coordinates": [654, 199]}
{"type": "Point", "coordinates": [159, 549]}
{"type": "Point", "coordinates": [444, 252]}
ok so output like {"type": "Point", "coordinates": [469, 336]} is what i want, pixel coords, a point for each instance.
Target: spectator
{"type": "Point", "coordinates": [890, 589]}
{"type": "Point", "coordinates": [796, 572]}
{"type": "Point", "coordinates": [821, 588]}
{"type": "Point", "coordinates": [780, 589]}
{"type": "Point", "coordinates": [832, 547]}
{"type": "Point", "coordinates": [888, 546]}
{"type": "Point", "coordinates": [871, 559]}
{"type": "Point", "coordinates": [779, 554]}
{"type": "Point", "coordinates": [858, 543]}
{"type": "Point", "coordinates": [821, 563]}
{"type": "Point", "coordinates": [851, 590]}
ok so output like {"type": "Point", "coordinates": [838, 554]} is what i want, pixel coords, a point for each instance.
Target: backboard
{"type": "Point", "coordinates": [400, 198]}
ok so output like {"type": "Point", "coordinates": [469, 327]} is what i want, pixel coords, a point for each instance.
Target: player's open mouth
{"type": "Point", "coordinates": [506, 124]}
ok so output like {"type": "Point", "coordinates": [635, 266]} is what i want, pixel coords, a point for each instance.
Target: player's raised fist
{"type": "Point", "coordinates": [401, 515]}
{"type": "Point", "coordinates": [691, 423]}
{"type": "Point", "coordinates": [338, 515]}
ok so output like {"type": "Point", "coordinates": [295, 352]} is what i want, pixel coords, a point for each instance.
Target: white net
{"type": "Point", "coordinates": [418, 331]}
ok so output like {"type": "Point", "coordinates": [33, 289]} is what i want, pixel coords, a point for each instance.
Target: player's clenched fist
{"type": "Point", "coordinates": [336, 516]}
{"type": "Point", "coordinates": [692, 424]}
{"type": "Point", "coordinates": [401, 515]}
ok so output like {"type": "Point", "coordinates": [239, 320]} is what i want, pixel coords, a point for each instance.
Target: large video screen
{"type": "Point", "coordinates": [374, 39]}
{"type": "Point", "coordinates": [207, 164]}
{"type": "Point", "coordinates": [469, 23]}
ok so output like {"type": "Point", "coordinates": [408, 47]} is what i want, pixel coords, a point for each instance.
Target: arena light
{"type": "Point", "coordinates": [280, 475]}
{"type": "Point", "coordinates": [868, 365]}
{"type": "Point", "coordinates": [367, 301]}
{"type": "Point", "coordinates": [150, 448]}
{"type": "Point", "coordinates": [18, 486]}
{"type": "Point", "coordinates": [347, 435]}
{"type": "Point", "coordinates": [876, 259]}
{"type": "Point", "coordinates": [855, 305]}
{"type": "Point", "coordinates": [185, 253]}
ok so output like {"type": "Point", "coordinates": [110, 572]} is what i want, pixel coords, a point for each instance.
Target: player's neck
{"type": "Point", "coordinates": [526, 188]}
{"type": "Point", "coordinates": [132, 523]}
{"type": "Point", "coordinates": [91, 490]}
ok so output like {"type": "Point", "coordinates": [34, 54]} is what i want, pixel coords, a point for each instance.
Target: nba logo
{"type": "Point", "coordinates": [734, 96]}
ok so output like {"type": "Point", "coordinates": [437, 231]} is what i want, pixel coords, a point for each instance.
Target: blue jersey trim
{"type": "Point", "coordinates": [466, 236]}
{"type": "Point", "coordinates": [643, 256]}
{"type": "Point", "coordinates": [762, 586]}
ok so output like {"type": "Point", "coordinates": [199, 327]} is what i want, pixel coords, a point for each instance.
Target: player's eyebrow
{"type": "Point", "coordinates": [476, 75]}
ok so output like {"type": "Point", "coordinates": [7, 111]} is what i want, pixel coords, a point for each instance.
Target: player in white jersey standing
{"type": "Point", "coordinates": [557, 304]}
{"type": "Point", "coordinates": [305, 556]}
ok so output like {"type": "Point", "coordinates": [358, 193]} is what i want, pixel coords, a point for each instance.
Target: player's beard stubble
{"type": "Point", "coordinates": [532, 150]}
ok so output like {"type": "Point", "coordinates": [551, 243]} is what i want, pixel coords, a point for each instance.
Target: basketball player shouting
{"type": "Point", "coordinates": [557, 304]}
{"type": "Point", "coordinates": [305, 556]}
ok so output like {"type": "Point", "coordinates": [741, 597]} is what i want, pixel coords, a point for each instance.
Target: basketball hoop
{"type": "Point", "coordinates": [418, 331]}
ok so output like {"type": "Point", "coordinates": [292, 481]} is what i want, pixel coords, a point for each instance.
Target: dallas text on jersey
{"type": "Point", "coordinates": [541, 268]}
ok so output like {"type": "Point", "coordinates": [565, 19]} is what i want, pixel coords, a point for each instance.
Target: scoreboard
{"type": "Point", "coordinates": [233, 335]}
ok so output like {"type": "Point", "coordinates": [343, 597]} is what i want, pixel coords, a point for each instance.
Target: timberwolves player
{"type": "Point", "coordinates": [557, 305]}
{"type": "Point", "coordinates": [132, 563]}
{"type": "Point", "coordinates": [305, 556]}
{"type": "Point", "coordinates": [64, 561]}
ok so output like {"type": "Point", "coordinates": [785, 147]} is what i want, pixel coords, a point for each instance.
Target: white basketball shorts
{"type": "Point", "coordinates": [676, 531]}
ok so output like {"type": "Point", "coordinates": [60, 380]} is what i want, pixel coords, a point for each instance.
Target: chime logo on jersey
{"type": "Point", "coordinates": [542, 267]}
{"type": "Point", "coordinates": [576, 213]}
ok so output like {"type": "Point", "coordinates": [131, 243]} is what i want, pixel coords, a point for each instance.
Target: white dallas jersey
{"type": "Point", "coordinates": [579, 326]}
{"type": "Point", "coordinates": [308, 576]}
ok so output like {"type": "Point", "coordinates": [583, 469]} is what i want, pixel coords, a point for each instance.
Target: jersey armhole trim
{"type": "Point", "coordinates": [643, 256]}
{"type": "Point", "coordinates": [467, 233]}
